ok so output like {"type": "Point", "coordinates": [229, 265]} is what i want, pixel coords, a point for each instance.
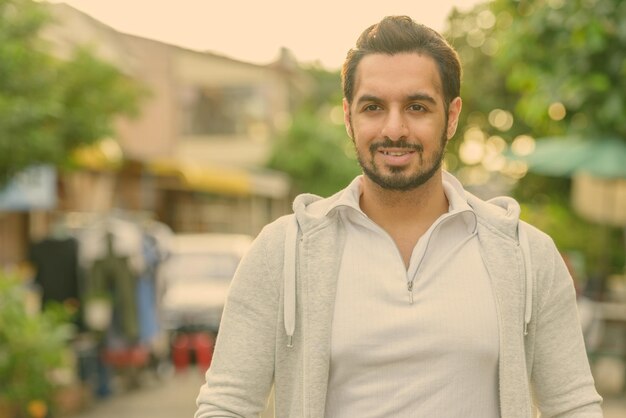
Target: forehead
{"type": "Point", "coordinates": [404, 73]}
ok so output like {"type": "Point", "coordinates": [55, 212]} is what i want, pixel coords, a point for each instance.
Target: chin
{"type": "Point", "coordinates": [398, 180]}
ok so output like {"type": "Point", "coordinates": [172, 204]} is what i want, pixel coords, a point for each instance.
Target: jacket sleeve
{"type": "Point", "coordinates": [240, 377]}
{"type": "Point", "coordinates": [561, 377]}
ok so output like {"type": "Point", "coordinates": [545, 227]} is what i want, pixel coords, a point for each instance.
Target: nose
{"type": "Point", "coordinates": [395, 127]}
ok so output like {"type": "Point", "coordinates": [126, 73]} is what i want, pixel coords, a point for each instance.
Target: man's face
{"type": "Point", "coordinates": [398, 121]}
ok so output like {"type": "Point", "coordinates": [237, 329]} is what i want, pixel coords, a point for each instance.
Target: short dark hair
{"type": "Point", "coordinates": [398, 34]}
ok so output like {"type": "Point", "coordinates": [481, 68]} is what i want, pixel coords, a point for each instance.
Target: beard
{"type": "Point", "coordinates": [400, 178]}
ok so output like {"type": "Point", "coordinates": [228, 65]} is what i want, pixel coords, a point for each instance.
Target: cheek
{"type": "Point", "coordinates": [361, 145]}
{"type": "Point", "coordinates": [429, 130]}
{"type": "Point", "coordinates": [364, 129]}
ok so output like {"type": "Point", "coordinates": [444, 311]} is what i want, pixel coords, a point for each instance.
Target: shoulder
{"type": "Point", "coordinates": [276, 228]}
{"type": "Point", "coordinates": [274, 232]}
{"type": "Point", "coordinates": [543, 252]}
{"type": "Point", "coordinates": [268, 246]}
{"type": "Point", "coordinates": [501, 215]}
{"type": "Point", "coordinates": [538, 239]}
{"type": "Point", "coordinates": [551, 276]}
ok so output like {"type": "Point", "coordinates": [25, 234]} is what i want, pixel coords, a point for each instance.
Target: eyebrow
{"type": "Point", "coordinates": [422, 97]}
{"type": "Point", "coordinates": [412, 97]}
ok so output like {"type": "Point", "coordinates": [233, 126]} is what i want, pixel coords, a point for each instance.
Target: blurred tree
{"type": "Point", "coordinates": [487, 102]}
{"type": "Point", "coordinates": [49, 107]}
{"type": "Point", "coordinates": [568, 61]}
{"type": "Point", "coordinates": [490, 115]}
{"type": "Point", "coordinates": [541, 68]}
{"type": "Point", "coordinates": [316, 151]}
{"type": "Point", "coordinates": [559, 65]}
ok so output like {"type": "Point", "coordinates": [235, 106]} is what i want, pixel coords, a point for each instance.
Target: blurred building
{"type": "Point", "coordinates": [194, 156]}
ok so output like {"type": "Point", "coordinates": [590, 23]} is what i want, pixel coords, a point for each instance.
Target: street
{"type": "Point", "coordinates": [614, 407]}
{"type": "Point", "coordinates": [172, 397]}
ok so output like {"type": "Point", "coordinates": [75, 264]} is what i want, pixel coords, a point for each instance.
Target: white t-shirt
{"type": "Point", "coordinates": [436, 357]}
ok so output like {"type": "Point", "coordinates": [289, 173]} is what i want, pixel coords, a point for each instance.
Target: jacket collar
{"type": "Point", "coordinates": [348, 199]}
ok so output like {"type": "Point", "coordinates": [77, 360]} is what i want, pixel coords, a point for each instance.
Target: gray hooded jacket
{"type": "Point", "coordinates": [276, 325]}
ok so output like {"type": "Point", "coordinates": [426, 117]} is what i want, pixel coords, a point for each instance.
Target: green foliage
{"type": "Point", "coordinates": [316, 154]}
{"type": "Point", "coordinates": [316, 151]}
{"type": "Point", "coordinates": [88, 112]}
{"type": "Point", "coordinates": [479, 37]}
{"type": "Point", "coordinates": [32, 345]}
{"type": "Point", "coordinates": [49, 107]}
{"type": "Point", "coordinates": [572, 52]}
{"type": "Point", "coordinates": [525, 55]}
{"type": "Point", "coordinates": [476, 37]}
{"type": "Point", "coordinates": [522, 56]}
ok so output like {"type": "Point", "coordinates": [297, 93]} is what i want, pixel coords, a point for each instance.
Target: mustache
{"type": "Point", "coordinates": [388, 143]}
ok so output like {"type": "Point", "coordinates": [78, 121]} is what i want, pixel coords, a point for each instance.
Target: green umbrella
{"type": "Point", "coordinates": [567, 156]}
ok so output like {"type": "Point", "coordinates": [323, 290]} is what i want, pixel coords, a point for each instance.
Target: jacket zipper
{"type": "Point", "coordinates": [409, 284]}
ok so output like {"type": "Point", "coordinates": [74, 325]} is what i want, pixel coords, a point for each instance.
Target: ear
{"type": "Point", "coordinates": [454, 111]}
{"type": "Point", "coordinates": [346, 117]}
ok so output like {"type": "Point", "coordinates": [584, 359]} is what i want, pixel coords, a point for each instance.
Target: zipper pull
{"type": "Point", "coordinates": [409, 287]}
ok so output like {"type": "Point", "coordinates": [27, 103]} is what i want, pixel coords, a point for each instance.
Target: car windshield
{"type": "Point", "coordinates": [202, 265]}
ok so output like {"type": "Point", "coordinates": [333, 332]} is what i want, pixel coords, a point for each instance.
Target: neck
{"type": "Point", "coordinates": [414, 209]}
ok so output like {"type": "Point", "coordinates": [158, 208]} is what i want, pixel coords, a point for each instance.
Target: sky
{"type": "Point", "coordinates": [316, 31]}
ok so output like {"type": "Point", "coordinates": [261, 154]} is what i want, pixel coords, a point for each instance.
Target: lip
{"type": "Point", "coordinates": [396, 156]}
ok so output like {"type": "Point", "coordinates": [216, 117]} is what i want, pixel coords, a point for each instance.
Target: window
{"type": "Point", "coordinates": [222, 110]}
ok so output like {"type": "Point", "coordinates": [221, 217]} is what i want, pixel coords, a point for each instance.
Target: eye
{"type": "Point", "coordinates": [371, 108]}
{"type": "Point", "coordinates": [416, 107]}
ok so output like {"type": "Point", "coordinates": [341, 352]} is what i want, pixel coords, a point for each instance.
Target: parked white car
{"type": "Point", "coordinates": [196, 277]}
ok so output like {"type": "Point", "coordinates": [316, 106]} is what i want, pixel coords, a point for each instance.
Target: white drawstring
{"type": "Point", "coordinates": [528, 272]}
{"type": "Point", "coordinates": [289, 279]}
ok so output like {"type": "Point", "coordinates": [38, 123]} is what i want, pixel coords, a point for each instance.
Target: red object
{"type": "Point", "coordinates": [136, 356]}
{"type": "Point", "coordinates": [181, 355]}
{"type": "Point", "coordinates": [203, 349]}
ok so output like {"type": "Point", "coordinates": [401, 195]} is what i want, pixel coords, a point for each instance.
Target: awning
{"type": "Point", "coordinates": [33, 188]}
{"type": "Point", "coordinates": [202, 178]}
{"type": "Point", "coordinates": [105, 155]}
{"type": "Point", "coordinates": [222, 180]}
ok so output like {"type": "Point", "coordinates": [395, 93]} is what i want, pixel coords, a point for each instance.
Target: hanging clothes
{"type": "Point", "coordinates": [146, 291]}
{"type": "Point", "coordinates": [56, 268]}
{"type": "Point", "coordinates": [127, 241]}
{"type": "Point", "coordinates": [156, 239]}
{"type": "Point", "coordinates": [113, 277]}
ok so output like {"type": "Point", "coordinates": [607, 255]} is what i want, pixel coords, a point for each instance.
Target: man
{"type": "Point", "coordinates": [402, 295]}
